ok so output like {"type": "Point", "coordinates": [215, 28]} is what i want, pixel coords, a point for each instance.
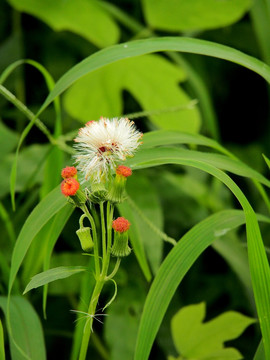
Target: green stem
{"type": "Point", "coordinates": [95, 240]}
{"type": "Point", "coordinates": [28, 113]}
{"type": "Point", "coordinates": [103, 230]}
{"type": "Point", "coordinates": [116, 267]}
{"type": "Point", "coordinates": [110, 210]}
{"type": "Point", "coordinates": [89, 322]}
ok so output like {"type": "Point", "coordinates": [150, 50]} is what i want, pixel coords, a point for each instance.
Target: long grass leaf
{"type": "Point", "coordinates": [2, 343]}
{"type": "Point", "coordinates": [54, 274]}
{"type": "Point", "coordinates": [258, 263]}
{"type": "Point", "coordinates": [141, 47]}
{"type": "Point", "coordinates": [27, 341]}
{"type": "Point", "coordinates": [163, 155]}
{"type": "Point", "coordinates": [41, 214]}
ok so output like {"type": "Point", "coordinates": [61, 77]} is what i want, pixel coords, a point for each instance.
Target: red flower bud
{"type": "Point", "coordinates": [69, 172]}
{"type": "Point", "coordinates": [121, 224]}
{"type": "Point", "coordinates": [124, 171]}
{"type": "Point", "coordinates": [69, 187]}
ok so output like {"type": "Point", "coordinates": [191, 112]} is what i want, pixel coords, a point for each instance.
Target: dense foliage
{"type": "Point", "coordinates": [193, 76]}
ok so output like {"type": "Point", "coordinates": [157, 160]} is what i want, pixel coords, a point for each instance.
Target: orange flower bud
{"type": "Point", "coordinates": [121, 224]}
{"type": "Point", "coordinates": [124, 171]}
{"type": "Point", "coordinates": [69, 187]}
{"type": "Point", "coordinates": [69, 172]}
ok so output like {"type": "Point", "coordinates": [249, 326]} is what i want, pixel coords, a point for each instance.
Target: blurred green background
{"type": "Point", "coordinates": [232, 107]}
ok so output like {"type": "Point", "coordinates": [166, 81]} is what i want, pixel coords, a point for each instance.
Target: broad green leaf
{"type": "Point", "coordinates": [48, 276]}
{"type": "Point", "coordinates": [141, 47]}
{"type": "Point", "coordinates": [8, 140]}
{"type": "Point", "coordinates": [142, 78]}
{"type": "Point", "coordinates": [187, 15]}
{"type": "Point", "coordinates": [135, 238]}
{"type": "Point", "coordinates": [149, 206]}
{"type": "Point", "coordinates": [41, 214]}
{"type": "Point", "coordinates": [258, 263]}
{"type": "Point", "coordinates": [83, 17]}
{"type": "Point", "coordinates": [2, 343]}
{"type": "Point", "coordinates": [163, 155]}
{"type": "Point", "coordinates": [195, 339]}
{"type": "Point", "coordinates": [26, 329]}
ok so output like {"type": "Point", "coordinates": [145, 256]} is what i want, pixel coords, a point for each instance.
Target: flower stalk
{"type": "Point", "coordinates": [100, 147]}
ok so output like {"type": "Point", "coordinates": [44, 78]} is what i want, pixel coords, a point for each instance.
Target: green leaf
{"type": "Point", "coordinates": [141, 47]}
{"type": "Point", "coordinates": [70, 285]}
{"type": "Point", "coordinates": [165, 137]}
{"type": "Point", "coordinates": [2, 343]}
{"type": "Point", "coordinates": [26, 329]}
{"type": "Point", "coordinates": [195, 339]}
{"type": "Point", "coordinates": [193, 15]}
{"type": "Point", "coordinates": [266, 160]}
{"type": "Point", "coordinates": [149, 207]}
{"type": "Point", "coordinates": [142, 78]}
{"type": "Point", "coordinates": [174, 268]}
{"type": "Point", "coordinates": [48, 276]}
{"type": "Point", "coordinates": [41, 214]}
{"type": "Point", "coordinates": [83, 17]}
{"type": "Point", "coordinates": [260, 355]}
{"type": "Point", "coordinates": [163, 155]}
{"type": "Point", "coordinates": [258, 263]}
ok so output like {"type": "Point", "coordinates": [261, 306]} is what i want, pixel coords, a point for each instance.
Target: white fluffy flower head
{"type": "Point", "coordinates": [102, 144]}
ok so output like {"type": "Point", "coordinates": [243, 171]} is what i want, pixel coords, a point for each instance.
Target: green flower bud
{"type": "Point", "coordinates": [84, 235]}
{"type": "Point", "coordinates": [117, 191]}
{"type": "Point", "coordinates": [85, 238]}
{"type": "Point", "coordinates": [120, 246]}
{"type": "Point", "coordinates": [98, 193]}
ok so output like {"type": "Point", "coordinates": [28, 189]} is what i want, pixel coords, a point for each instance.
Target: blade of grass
{"type": "Point", "coordinates": [50, 275]}
{"type": "Point", "coordinates": [258, 263]}
{"type": "Point", "coordinates": [2, 343]}
{"type": "Point", "coordinates": [141, 47]}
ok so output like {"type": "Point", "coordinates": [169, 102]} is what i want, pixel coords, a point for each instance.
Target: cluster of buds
{"type": "Point", "coordinates": [70, 186]}
{"type": "Point", "coordinates": [100, 146]}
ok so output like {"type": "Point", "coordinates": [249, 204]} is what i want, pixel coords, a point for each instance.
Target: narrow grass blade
{"type": "Point", "coordinates": [258, 263]}
{"type": "Point", "coordinates": [42, 213]}
{"type": "Point", "coordinates": [2, 343]}
{"type": "Point", "coordinates": [141, 47]}
{"type": "Point", "coordinates": [163, 155]}
{"type": "Point", "coordinates": [48, 276]}
{"type": "Point", "coordinates": [27, 341]}
{"type": "Point", "coordinates": [50, 83]}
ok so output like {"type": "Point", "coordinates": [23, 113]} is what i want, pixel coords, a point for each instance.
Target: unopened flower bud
{"type": "Point", "coordinates": [120, 246]}
{"type": "Point", "coordinates": [98, 192]}
{"type": "Point", "coordinates": [70, 187]}
{"type": "Point", "coordinates": [117, 190]}
{"type": "Point", "coordinates": [85, 238]}
{"type": "Point", "coordinates": [69, 172]}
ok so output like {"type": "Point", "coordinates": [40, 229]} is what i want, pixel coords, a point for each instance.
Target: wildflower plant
{"type": "Point", "coordinates": [121, 210]}
{"type": "Point", "coordinates": [101, 148]}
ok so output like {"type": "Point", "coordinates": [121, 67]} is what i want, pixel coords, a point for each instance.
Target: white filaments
{"type": "Point", "coordinates": [102, 144]}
